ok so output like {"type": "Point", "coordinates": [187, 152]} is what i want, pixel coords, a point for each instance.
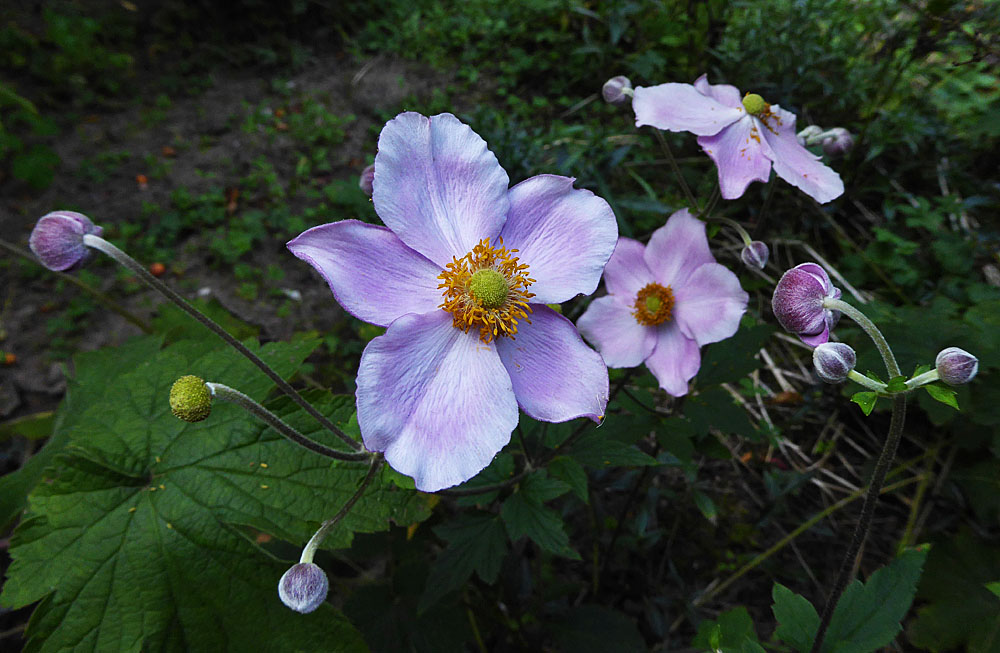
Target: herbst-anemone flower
{"type": "Point", "coordinates": [665, 300]}
{"type": "Point", "coordinates": [461, 277]}
{"type": "Point", "coordinates": [744, 136]}
{"type": "Point", "coordinates": [797, 303]}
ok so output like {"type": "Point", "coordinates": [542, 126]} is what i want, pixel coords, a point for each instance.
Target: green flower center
{"type": "Point", "coordinates": [755, 104]}
{"type": "Point", "coordinates": [489, 287]}
{"type": "Point", "coordinates": [190, 399]}
{"type": "Point", "coordinates": [653, 304]}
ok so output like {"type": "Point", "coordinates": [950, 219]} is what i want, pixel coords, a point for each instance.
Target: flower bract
{"type": "Point", "coordinates": [665, 300]}
{"type": "Point", "coordinates": [745, 136]}
{"type": "Point", "coordinates": [797, 303]}
{"type": "Point", "coordinates": [460, 276]}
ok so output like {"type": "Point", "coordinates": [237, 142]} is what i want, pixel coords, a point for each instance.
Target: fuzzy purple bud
{"type": "Point", "coordinates": [956, 366]}
{"type": "Point", "coordinates": [755, 255]}
{"type": "Point", "coordinates": [798, 303]}
{"type": "Point", "coordinates": [303, 587]}
{"type": "Point", "coordinates": [367, 179]}
{"type": "Point", "coordinates": [617, 90]}
{"type": "Point", "coordinates": [838, 141]}
{"type": "Point", "coordinates": [833, 361]}
{"type": "Point", "coordinates": [57, 240]}
{"type": "Point", "coordinates": [808, 135]}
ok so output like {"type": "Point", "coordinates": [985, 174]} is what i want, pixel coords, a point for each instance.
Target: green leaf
{"type": "Point", "coordinates": [476, 542]}
{"type": "Point", "coordinates": [538, 487]}
{"type": "Point", "coordinates": [36, 167]}
{"type": "Point", "coordinates": [942, 394]}
{"type": "Point", "coordinates": [733, 358]}
{"type": "Point", "coordinates": [716, 409]}
{"type": "Point", "coordinates": [896, 384]}
{"type": "Point", "coordinates": [145, 515]}
{"type": "Point", "coordinates": [730, 633]}
{"type": "Point", "coordinates": [866, 400]}
{"type": "Point", "coordinates": [705, 505]}
{"type": "Point", "coordinates": [525, 517]}
{"type": "Point", "coordinates": [994, 587]}
{"type": "Point", "coordinates": [597, 450]}
{"type": "Point", "coordinates": [797, 618]}
{"type": "Point", "coordinates": [597, 629]}
{"type": "Point", "coordinates": [572, 474]}
{"type": "Point", "coordinates": [32, 427]}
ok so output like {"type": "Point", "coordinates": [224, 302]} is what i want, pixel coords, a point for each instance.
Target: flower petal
{"type": "Point", "coordinates": [722, 93]}
{"type": "Point", "coordinates": [435, 399]}
{"type": "Point", "coordinates": [675, 360]}
{"type": "Point", "coordinates": [740, 154]}
{"type": "Point", "coordinates": [437, 186]}
{"type": "Point", "coordinates": [608, 324]}
{"type": "Point", "coordinates": [677, 249]}
{"type": "Point", "coordinates": [565, 235]}
{"type": "Point", "coordinates": [556, 377]}
{"type": "Point", "coordinates": [710, 304]}
{"type": "Point", "coordinates": [681, 108]}
{"type": "Point", "coordinates": [797, 165]}
{"type": "Point", "coordinates": [373, 275]}
{"type": "Point", "coordinates": [626, 273]}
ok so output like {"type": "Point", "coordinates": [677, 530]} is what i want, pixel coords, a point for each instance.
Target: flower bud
{"type": "Point", "coordinates": [190, 399]}
{"type": "Point", "coordinates": [303, 587]}
{"type": "Point", "coordinates": [617, 90]}
{"type": "Point", "coordinates": [798, 303]}
{"type": "Point", "coordinates": [755, 255]}
{"type": "Point", "coordinates": [838, 141]}
{"type": "Point", "coordinates": [367, 180]}
{"type": "Point", "coordinates": [808, 135]}
{"type": "Point", "coordinates": [833, 361]}
{"type": "Point", "coordinates": [956, 366]}
{"type": "Point", "coordinates": [57, 240]}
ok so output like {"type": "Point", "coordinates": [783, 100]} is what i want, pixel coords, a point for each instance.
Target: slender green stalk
{"type": "Point", "coordinates": [910, 532]}
{"type": "Point", "coordinates": [861, 379]}
{"type": "Point", "coordinates": [134, 266]}
{"type": "Point", "coordinates": [310, 548]}
{"type": "Point", "coordinates": [922, 379]}
{"type": "Point", "coordinates": [677, 171]}
{"type": "Point", "coordinates": [869, 327]}
{"type": "Point", "coordinates": [735, 225]}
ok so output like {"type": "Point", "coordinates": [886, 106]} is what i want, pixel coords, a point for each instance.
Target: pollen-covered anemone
{"type": "Point", "coordinates": [665, 300]}
{"type": "Point", "coordinates": [461, 278]}
{"type": "Point", "coordinates": [745, 136]}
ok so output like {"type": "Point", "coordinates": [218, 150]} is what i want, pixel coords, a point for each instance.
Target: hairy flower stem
{"type": "Point", "coordinates": [863, 380]}
{"type": "Point", "coordinates": [135, 267]}
{"type": "Point", "coordinates": [736, 226]}
{"type": "Point", "coordinates": [310, 548]}
{"type": "Point", "coordinates": [233, 396]}
{"type": "Point", "coordinates": [677, 171]}
{"type": "Point", "coordinates": [892, 368]}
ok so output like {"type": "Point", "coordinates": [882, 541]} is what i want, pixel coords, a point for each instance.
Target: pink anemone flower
{"type": "Point", "coordinates": [745, 137]}
{"type": "Point", "coordinates": [665, 300]}
{"type": "Point", "coordinates": [461, 277]}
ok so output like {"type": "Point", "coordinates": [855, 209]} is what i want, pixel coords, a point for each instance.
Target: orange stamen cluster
{"type": "Point", "coordinates": [654, 305]}
{"type": "Point", "coordinates": [469, 311]}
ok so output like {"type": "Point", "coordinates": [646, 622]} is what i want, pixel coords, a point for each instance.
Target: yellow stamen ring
{"type": "Point", "coordinates": [653, 305]}
{"type": "Point", "coordinates": [487, 288]}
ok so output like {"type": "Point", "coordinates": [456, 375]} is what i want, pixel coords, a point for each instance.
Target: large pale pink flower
{"type": "Point", "coordinates": [744, 136]}
{"type": "Point", "coordinates": [665, 300]}
{"type": "Point", "coordinates": [461, 277]}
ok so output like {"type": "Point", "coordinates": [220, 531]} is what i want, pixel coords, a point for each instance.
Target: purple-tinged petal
{"type": "Point", "coordinates": [741, 155]}
{"type": "Point", "coordinates": [556, 377]}
{"type": "Point", "coordinates": [677, 249]}
{"type": "Point", "coordinates": [435, 399]}
{"type": "Point", "coordinates": [681, 108]}
{"type": "Point", "coordinates": [797, 303]}
{"type": "Point", "coordinates": [709, 305]}
{"type": "Point", "coordinates": [675, 360]}
{"type": "Point", "coordinates": [797, 165]}
{"type": "Point", "coordinates": [609, 325]}
{"type": "Point", "coordinates": [57, 240]}
{"type": "Point", "coordinates": [373, 275]}
{"type": "Point", "coordinates": [722, 93]}
{"type": "Point", "coordinates": [626, 273]}
{"type": "Point", "coordinates": [437, 186]}
{"type": "Point", "coordinates": [564, 235]}
{"type": "Point", "coordinates": [817, 339]}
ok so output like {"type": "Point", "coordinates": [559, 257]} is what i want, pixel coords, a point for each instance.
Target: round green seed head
{"type": "Point", "coordinates": [755, 104]}
{"type": "Point", "coordinates": [489, 287]}
{"type": "Point", "coordinates": [190, 399]}
{"type": "Point", "coordinates": [653, 303]}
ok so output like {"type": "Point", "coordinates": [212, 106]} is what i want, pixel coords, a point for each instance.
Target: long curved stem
{"type": "Point", "coordinates": [677, 170]}
{"type": "Point", "coordinates": [310, 548]}
{"type": "Point", "coordinates": [869, 327]}
{"type": "Point", "coordinates": [135, 267]}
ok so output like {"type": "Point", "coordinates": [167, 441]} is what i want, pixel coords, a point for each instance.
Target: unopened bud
{"type": "Point", "coordinates": [366, 183]}
{"type": "Point", "coordinates": [190, 399]}
{"type": "Point", "coordinates": [834, 361]}
{"type": "Point", "coordinates": [57, 240]}
{"type": "Point", "coordinates": [838, 141]}
{"type": "Point", "coordinates": [956, 366]}
{"type": "Point", "coordinates": [617, 90]}
{"type": "Point", "coordinates": [755, 255]}
{"type": "Point", "coordinates": [798, 303]}
{"type": "Point", "coordinates": [808, 135]}
{"type": "Point", "coordinates": [303, 587]}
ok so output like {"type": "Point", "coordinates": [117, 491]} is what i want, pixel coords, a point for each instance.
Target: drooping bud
{"type": "Point", "coordinates": [956, 366]}
{"type": "Point", "coordinates": [798, 303]}
{"type": "Point", "coordinates": [190, 399]}
{"type": "Point", "coordinates": [367, 180]}
{"type": "Point", "coordinates": [57, 240]}
{"type": "Point", "coordinates": [808, 135]}
{"type": "Point", "coordinates": [303, 587]}
{"type": "Point", "coordinates": [755, 255]}
{"type": "Point", "coordinates": [838, 141]}
{"type": "Point", "coordinates": [833, 361]}
{"type": "Point", "coordinates": [617, 90]}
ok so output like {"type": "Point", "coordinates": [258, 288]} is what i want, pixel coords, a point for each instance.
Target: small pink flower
{"type": "Point", "coordinates": [745, 137]}
{"type": "Point", "coordinates": [798, 303]}
{"type": "Point", "coordinates": [665, 300]}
